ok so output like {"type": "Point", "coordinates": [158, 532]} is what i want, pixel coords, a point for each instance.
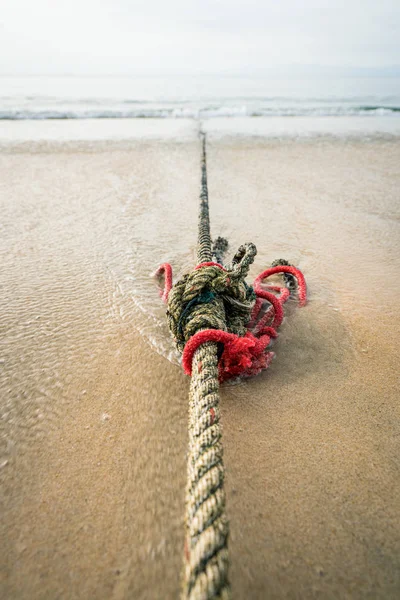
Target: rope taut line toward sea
{"type": "Point", "coordinates": [207, 528]}
{"type": "Point", "coordinates": [224, 328]}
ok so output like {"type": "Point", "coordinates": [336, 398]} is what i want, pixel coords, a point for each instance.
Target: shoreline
{"type": "Point", "coordinates": [64, 130]}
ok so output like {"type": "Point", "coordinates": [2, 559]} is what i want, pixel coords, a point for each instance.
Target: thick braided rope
{"type": "Point", "coordinates": [206, 569]}
{"type": "Point", "coordinates": [212, 297]}
{"type": "Point", "coordinates": [206, 545]}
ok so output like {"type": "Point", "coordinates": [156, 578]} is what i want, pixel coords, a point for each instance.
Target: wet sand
{"type": "Point", "coordinates": [94, 428]}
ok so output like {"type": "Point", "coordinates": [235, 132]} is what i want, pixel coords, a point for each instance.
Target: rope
{"type": "Point", "coordinates": [214, 304]}
{"type": "Point", "coordinates": [224, 328]}
{"type": "Point", "coordinates": [207, 529]}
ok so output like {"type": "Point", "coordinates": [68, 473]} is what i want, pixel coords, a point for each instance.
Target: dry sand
{"type": "Point", "coordinates": [93, 438]}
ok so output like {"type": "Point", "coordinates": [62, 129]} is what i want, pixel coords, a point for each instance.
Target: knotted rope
{"type": "Point", "coordinates": [214, 303]}
{"type": "Point", "coordinates": [224, 328]}
{"type": "Point", "coordinates": [212, 297]}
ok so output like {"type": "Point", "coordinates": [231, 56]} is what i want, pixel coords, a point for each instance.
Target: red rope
{"type": "Point", "coordinates": [166, 270]}
{"type": "Point", "coordinates": [301, 282]}
{"type": "Point", "coordinates": [210, 264]}
{"type": "Point", "coordinates": [242, 356]}
{"type": "Point", "coordinates": [247, 355]}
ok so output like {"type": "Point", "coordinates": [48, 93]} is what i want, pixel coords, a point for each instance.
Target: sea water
{"type": "Point", "coordinates": [197, 97]}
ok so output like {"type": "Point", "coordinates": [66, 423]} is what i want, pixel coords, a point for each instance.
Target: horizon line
{"type": "Point", "coordinates": [302, 69]}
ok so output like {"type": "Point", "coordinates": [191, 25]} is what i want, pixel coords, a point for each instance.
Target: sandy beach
{"type": "Point", "coordinates": [94, 416]}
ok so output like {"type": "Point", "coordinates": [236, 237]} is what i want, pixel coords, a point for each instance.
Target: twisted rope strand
{"type": "Point", "coordinates": [206, 569]}
{"type": "Point", "coordinates": [207, 529]}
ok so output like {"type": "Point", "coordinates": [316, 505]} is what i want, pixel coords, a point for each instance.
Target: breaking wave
{"type": "Point", "coordinates": [146, 111]}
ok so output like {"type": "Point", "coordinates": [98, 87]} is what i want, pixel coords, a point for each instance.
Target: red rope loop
{"type": "Point", "coordinates": [166, 271]}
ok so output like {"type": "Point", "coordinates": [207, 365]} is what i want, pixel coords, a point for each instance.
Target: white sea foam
{"type": "Point", "coordinates": [206, 112]}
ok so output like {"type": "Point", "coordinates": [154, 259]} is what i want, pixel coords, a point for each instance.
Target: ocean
{"type": "Point", "coordinates": [200, 97]}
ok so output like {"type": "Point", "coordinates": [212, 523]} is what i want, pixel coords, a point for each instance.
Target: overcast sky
{"type": "Point", "coordinates": [126, 36]}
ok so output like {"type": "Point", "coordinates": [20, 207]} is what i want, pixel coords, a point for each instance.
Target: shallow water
{"type": "Point", "coordinates": [85, 227]}
{"type": "Point", "coordinates": [81, 236]}
{"type": "Point", "coordinates": [93, 429]}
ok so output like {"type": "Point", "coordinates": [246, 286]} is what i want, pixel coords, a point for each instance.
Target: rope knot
{"type": "Point", "coordinates": [214, 303]}
{"type": "Point", "coordinates": [210, 297]}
